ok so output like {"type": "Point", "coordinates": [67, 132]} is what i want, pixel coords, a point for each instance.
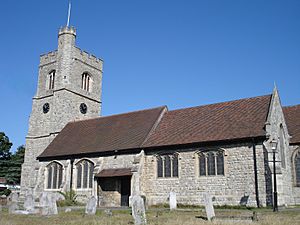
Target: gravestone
{"type": "Point", "coordinates": [209, 208]}
{"type": "Point", "coordinates": [172, 200]}
{"type": "Point", "coordinates": [91, 205]}
{"type": "Point", "coordinates": [13, 203]}
{"type": "Point", "coordinates": [48, 204]}
{"type": "Point", "coordinates": [29, 203]}
{"type": "Point", "coordinates": [108, 212]}
{"type": "Point", "coordinates": [138, 210]}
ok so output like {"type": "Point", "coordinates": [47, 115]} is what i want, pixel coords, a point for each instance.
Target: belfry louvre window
{"type": "Point", "coordinates": [51, 80]}
{"type": "Point", "coordinates": [167, 165]}
{"type": "Point", "coordinates": [85, 170]}
{"type": "Point", "coordinates": [296, 163]}
{"type": "Point", "coordinates": [211, 163]}
{"type": "Point", "coordinates": [86, 82]}
{"type": "Point", "coordinates": [55, 171]}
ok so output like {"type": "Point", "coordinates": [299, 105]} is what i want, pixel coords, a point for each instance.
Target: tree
{"type": "Point", "coordinates": [5, 146]}
{"type": "Point", "coordinates": [5, 154]}
{"type": "Point", "coordinates": [14, 166]}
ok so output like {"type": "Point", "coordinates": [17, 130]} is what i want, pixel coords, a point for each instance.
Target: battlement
{"type": "Point", "coordinates": [87, 58]}
{"type": "Point", "coordinates": [48, 57]}
{"type": "Point", "coordinates": [67, 30]}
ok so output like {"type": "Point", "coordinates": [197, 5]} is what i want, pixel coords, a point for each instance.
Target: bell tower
{"type": "Point", "coordinates": [69, 88]}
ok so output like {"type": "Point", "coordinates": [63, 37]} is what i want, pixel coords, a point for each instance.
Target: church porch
{"type": "Point", "coordinates": [114, 187]}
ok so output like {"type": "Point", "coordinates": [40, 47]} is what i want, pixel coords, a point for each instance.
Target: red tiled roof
{"type": "Point", "coordinates": [102, 134]}
{"type": "Point", "coordinates": [115, 172]}
{"type": "Point", "coordinates": [238, 119]}
{"type": "Point", "coordinates": [244, 118]}
{"type": "Point", "coordinates": [292, 118]}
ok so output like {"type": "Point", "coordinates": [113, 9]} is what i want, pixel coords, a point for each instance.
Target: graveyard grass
{"type": "Point", "coordinates": [155, 217]}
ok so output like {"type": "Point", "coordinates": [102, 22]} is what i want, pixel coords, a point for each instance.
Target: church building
{"type": "Point", "coordinates": [226, 149]}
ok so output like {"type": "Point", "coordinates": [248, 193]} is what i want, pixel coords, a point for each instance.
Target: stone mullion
{"type": "Point", "coordinates": [216, 166]}
{"type": "Point", "coordinates": [163, 166]}
{"type": "Point", "coordinates": [206, 166]}
{"type": "Point", "coordinates": [171, 164]}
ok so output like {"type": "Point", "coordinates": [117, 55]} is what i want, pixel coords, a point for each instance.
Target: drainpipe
{"type": "Point", "coordinates": [71, 178]}
{"type": "Point", "coordinates": [255, 173]}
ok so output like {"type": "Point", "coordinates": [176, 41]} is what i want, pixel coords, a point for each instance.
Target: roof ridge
{"type": "Point", "coordinates": [220, 103]}
{"type": "Point", "coordinates": [119, 114]}
{"type": "Point", "coordinates": [290, 106]}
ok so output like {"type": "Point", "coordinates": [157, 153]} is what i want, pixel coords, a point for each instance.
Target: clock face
{"type": "Point", "coordinates": [46, 107]}
{"type": "Point", "coordinates": [83, 108]}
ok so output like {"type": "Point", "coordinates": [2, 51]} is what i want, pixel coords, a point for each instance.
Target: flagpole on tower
{"type": "Point", "coordinates": [69, 13]}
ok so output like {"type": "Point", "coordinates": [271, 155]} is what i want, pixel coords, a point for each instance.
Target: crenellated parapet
{"type": "Point", "coordinates": [88, 58]}
{"type": "Point", "coordinates": [48, 58]}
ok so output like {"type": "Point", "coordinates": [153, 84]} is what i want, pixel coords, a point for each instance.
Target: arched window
{"type": "Point", "coordinates": [54, 179]}
{"type": "Point", "coordinates": [86, 81]}
{"type": "Point", "coordinates": [85, 170]}
{"type": "Point", "coordinates": [296, 162]}
{"type": "Point", "coordinates": [51, 80]}
{"type": "Point", "coordinates": [211, 163]}
{"type": "Point", "coordinates": [167, 165]}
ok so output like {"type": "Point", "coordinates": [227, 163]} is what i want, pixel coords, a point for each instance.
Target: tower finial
{"type": "Point", "coordinates": [69, 13]}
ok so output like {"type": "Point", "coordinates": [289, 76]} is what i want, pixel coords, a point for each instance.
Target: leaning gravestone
{"type": "Point", "coordinates": [173, 201]}
{"type": "Point", "coordinates": [138, 210]}
{"type": "Point", "coordinates": [13, 204]}
{"type": "Point", "coordinates": [29, 203]}
{"type": "Point", "coordinates": [209, 208]}
{"type": "Point", "coordinates": [91, 205]}
{"type": "Point", "coordinates": [48, 204]}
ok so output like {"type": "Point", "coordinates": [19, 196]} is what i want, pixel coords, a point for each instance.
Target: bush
{"type": "Point", "coordinates": [70, 198]}
{"type": "Point", "coordinates": [5, 192]}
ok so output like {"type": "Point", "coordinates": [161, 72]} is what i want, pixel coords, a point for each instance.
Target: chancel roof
{"type": "Point", "coordinates": [292, 118]}
{"type": "Point", "coordinates": [239, 119]}
{"type": "Point", "coordinates": [244, 118]}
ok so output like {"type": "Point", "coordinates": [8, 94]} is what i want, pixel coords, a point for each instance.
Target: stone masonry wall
{"type": "Point", "coordinates": [110, 199]}
{"type": "Point", "coordinates": [295, 189]}
{"type": "Point", "coordinates": [64, 100]}
{"type": "Point", "coordinates": [274, 126]}
{"type": "Point", "coordinates": [238, 181]}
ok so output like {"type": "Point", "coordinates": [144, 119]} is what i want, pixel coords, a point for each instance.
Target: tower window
{"type": "Point", "coordinates": [51, 80]}
{"type": "Point", "coordinates": [86, 82]}
{"type": "Point", "coordinates": [85, 171]}
{"type": "Point", "coordinates": [54, 180]}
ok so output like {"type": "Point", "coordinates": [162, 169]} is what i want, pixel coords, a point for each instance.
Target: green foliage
{"type": "Point", "coordinates": [15, 163]}
{"type": "Point", "coordinates": [70, 198]}
{"type": "Point", "coordinates": [5, 192]}
{"type": "Point", "coordinates": [10, 164]}
{"type": "Point", "coordinates": [5, 146]}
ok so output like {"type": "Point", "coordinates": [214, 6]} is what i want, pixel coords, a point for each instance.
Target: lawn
{"type": "Point", "coordinates": [154, 216]}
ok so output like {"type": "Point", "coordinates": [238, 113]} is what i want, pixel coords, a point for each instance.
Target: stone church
{"type": "Point", "coordinates": [225, 149]}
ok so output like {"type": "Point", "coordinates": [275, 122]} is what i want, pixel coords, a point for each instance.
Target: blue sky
{"type": "Point", "coordinates": [161, 52]}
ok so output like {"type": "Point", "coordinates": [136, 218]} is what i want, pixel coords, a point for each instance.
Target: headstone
{"type": "Point", "coordinates": [68, 210]}
{"type": "Point", "coordinates": [138, 210]}
{"type": "Point", "coordinates": [91, 205]}
{"type": "Point", "coordinates": [209, 208]}
{"type": "Point", "coordinates": [29, 203]}
{"type": "Point", "coordinates": [108, 212]}
{"type": "Point", "coordinates": [172, 200]}
{"type": "Point", "coordinates": [48, 204]}
{"type": "Point", "coordinates": [13, 204]}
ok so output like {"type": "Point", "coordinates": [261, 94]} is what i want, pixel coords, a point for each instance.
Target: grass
{"type": "Point", "coordinates": [154, 217]}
